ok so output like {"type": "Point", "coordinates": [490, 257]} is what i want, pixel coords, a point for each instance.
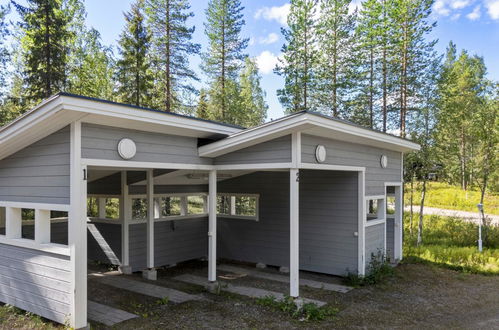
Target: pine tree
{"type": "Point", "coordinates": [336, 76]}
{"type": "Point", "coordinates": [224, 59]}
{"type": "Point", "coordinates": [202, 107]}
{"type": "Point", "coordinates": [45, 28]}
{"type": "Point", "coordinates": [253, 106]}
{"type": "Point", "coordinates": [172, 46]}
{"type": "Point", "coordinates": [299, 63]}
{"type": "Point", "coordinates": [4, 53]}
{"type": "Point", "coordinates": [133, 74]}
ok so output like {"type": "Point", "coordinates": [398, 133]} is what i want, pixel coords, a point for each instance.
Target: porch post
{"type": "Point", "coordinates": [397, 230]}
{"type": "Point", "coordinates": [125, 227]}
{"type": "Point", "coordinates": [102, 207]}
{"type": "Point", "coordinates": [151, 272]}
{"type": "Point", "coordinates": [77, 231]}
{"type": "Point", "coordinates": [212, 226]}
{"type": "Point", "coordinates": [294, 255]}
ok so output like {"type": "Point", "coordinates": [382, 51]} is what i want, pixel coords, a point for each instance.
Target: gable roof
{"type": "Point", "coordinates": [61, 109]}
{"type": "Point", "coordinates": [308, 123]}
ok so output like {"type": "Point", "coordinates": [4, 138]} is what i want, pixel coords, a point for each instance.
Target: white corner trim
{"type": "Point", "coordinates": [31, 244]}
{"type": "Point", "coordinates": [362, 217]}
{"type": "Point", "coordinates": [40, 206]}
{"type": "Point", "coordinates": [296, 149]}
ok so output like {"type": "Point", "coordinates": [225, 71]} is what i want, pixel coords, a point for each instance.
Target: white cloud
{"type": "Point", "coordinates": [266, 62]}
{"type": "Point", "coordinates": [493, 8]}
{"type": "Point", "coordinates": [355, 4]}
{"type": "Point", "coordinates": [459, 4]}
{"type": "Point", "coordinates": [455, 16]}
{"type": "Point", "coordinates": [270, 39]}
{"type": "Point", "coordinates": [279, 14]}
{"type": "Point", "coordinates": [440, 8]}
{"type": "Point", "coordinates": [475, 14]}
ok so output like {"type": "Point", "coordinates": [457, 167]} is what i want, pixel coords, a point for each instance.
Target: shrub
{"type": "Point", "coordinates": [378, 270]}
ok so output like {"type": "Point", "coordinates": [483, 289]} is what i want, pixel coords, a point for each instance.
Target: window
{"type": "Point", "coordinates": [92, 207]}
{"type": "Point", "coordinates": [390, 205]}
{"type": "Point", "coordinates": [238, 206]}
{"type": "Point", "coordinates": [195, 205]}
{"type": "Point", "coordinates": [375, 208]}
{"type": "Point", "coordinates": [139, 208]}
{"type": "Point", "coordinates": [170, 206]}
{"type": "Point", "coordinates": [28, 223]}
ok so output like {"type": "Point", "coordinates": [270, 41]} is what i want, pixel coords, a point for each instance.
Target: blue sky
{"type": "Point", "coordinates": [471, 24]}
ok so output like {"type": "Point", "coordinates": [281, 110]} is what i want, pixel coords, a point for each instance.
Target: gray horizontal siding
{"type": "Point", "coordinates": [38, 173]}
{"type": "Point", "coordinates": [375, 242]}
{"type": "Point", "coordinates": [274, 151]}
{"type": "Point", "coordinates": [101, 142]}
{"type": "Point", "coordinates": [107, 238]}
{"type": "Point", "coordinates": [175, 241]}
{"type": "Point", "coordinates": [350, 154]}
{"type": "Point", "coordinates": [328, 220]}
{"type": "Point", "coordinates": [390, 238]}
{"type": "Point", "coordinates": [36, 281]}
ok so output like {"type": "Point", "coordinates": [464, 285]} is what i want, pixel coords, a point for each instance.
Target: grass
{"type": "Point", "coordinates": [445, 196]}
{"type": "Point", "coordinates": [19, 319]}
{"type": "Point", "coordinates": [305, 312]}
{"type": "Point", "coordinates": [451, 243]}
{"type": "Point", "coordinates": [378, 271]}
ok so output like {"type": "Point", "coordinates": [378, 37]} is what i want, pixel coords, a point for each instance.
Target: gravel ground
{"type": "Point", "coordinates": [418, 296]}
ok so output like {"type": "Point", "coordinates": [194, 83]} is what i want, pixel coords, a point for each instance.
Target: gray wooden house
{"type": "Point", "coordinates": [84, 179]}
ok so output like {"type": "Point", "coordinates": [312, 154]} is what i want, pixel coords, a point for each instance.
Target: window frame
{"type": "Point", "coordinates": [380, 212]}
{"type": "Point", "coordinates": [232, 209]}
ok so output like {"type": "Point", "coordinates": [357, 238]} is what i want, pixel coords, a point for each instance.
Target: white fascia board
{"type": "Point", "coordinates": [298, 122]}
{"type": "Point", "coordinates": [252, 136]}
{"type": "Point", "coordinates": [146, 116]}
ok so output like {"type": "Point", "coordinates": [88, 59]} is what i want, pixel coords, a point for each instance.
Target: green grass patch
{"type": "Point", "coordinates": [378, 271]}
{"type": "Point", "coordinates": [452, 243]}
{"type": "Point", "coordinates": [445, 196]}
{"type": "Point", "coordinates": [305, 312]}
{"type": "Point", "coordinates": [14, 318]}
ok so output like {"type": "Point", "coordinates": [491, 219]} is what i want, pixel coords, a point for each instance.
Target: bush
{"type": "Point", "coordinates": [305, 312]}
{"type": "Point", "coordinates": [378, 271]}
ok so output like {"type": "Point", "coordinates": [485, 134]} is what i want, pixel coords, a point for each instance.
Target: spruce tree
{"type": "Point", "coordinates": [225, 56]}
{"type": "Point", "coordinates": [336, 75]}
{"type": "Point", "coordinates": [172, 46]}
{"type": "Point", "coordinates": [133, 74]}
{"type": "Point", "coordinates": [45, 28]}
{"type": "Point", "coordinates": [4, 53]}
{"type": "Point", "coordinates": [299, 63]}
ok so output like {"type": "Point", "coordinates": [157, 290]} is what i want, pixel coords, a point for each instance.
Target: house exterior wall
{"type": "Point", "coordinates": [375, 242]}
{"type": "Point", "coordinates": [328, 220]}
{"type": "Point", "coordinates": [38, 173]}
{"type": "Point", "coordinates": [350, 154]}
{"type": "Point", "coordinates": [101, 142]}
{"type": "Point", "coordinates": [274, 151]}
{"type": "Point", "coordinates": [390, 238]}
{"type": "Point", "coordinates": [36, 281]}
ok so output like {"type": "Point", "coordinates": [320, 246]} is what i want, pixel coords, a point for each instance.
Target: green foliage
{"type": "Point", "coordinates": [45, 45]}
{"type": "Point", "coordinates": [133, 74]}
{"type": "Point", "coordinates": [224, 58]}
{"type": "Point", "coordinates": [305, 312]}
{"type": "Point", "coordinates": [253, 109]}
{"type": "Point", "coordinates": [378, 270]}
{"type": "Point", "coordinates": [446, 196]}
{"type": "Point", "coordinates": [451, 243]}
{"type": "Point", "coordinates": [4, 52]}
{"type": "Point", "coordinates": [298, 65]}
{"type": "Point", "coordinates": [171, 48]}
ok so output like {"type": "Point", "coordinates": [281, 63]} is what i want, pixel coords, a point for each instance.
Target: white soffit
{"type": "Point", "coordinates": [306, 123]}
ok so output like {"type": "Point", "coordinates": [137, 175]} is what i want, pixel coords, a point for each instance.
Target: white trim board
{"type": "Point", "coordinates": [39, 206]}
{"type": "Point", "coordinates": [31, 244]}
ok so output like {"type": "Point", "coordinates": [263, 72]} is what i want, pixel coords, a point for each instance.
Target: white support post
{"type": "Point", "coordinates": [13, 222]}
{"type": "Point", "coordinates": [157, 208]}
{"type": "Point", "coordinates": [102, 207]}
{"type": "Point", "coordinates": [150, 219]}
{"type": "Point", "coordinates": [42, 226]}
{"type": "Point", "coordinates": [183, 205]}
{"type": "Point", "coordinates": [362, 217]}
{"type": "Point", "coordinates": [398, 223]}
{"type": "Point", "coordinates": [77, 231]}
{"type": "Point", "coordinates": [294, 254]}
{"type": "Point", "coordinates": [212, 226]}
{"type": "Point", "coordinates": [232, 205]}
{"type": "Point", "coordinates": [125, 220]}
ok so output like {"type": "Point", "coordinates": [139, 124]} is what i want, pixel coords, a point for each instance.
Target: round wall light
{"type": "Point", "coordinates": [383, 161]}
{"type": "Point", "coordinates": [320, 153]}
{"type": "Point", "coordinates": [127, 148]}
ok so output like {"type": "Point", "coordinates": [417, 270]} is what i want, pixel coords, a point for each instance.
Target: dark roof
{"type": "Point", "coordinates": [147, 109]}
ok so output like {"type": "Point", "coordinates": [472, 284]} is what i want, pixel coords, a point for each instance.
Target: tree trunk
{"type": "Point", "coordinates": [48, 55]}
{"type": "Point", "coordinates": [168, 96]}
{"type": "Point", "coordinates": [412, 210]}
{"type": "Point", "coordinates": [371, 88]}
{"type": "Point", "coordinates": [421, 209]}
{"type": "Point", "coordinates": [463, 160]}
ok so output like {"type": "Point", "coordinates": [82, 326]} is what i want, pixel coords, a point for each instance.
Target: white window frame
{"type": "Point", "coordinates": [100, 219]}
{"type": "Point", "coordinates": [381, 210]}
{"type": "Point", "coordinates": [232, 207]}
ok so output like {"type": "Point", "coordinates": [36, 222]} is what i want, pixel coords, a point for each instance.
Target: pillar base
{"type": "Point", "coordinates": [284, 270]}
{"type": "Point", "coordinates": [213, 287]}
{"type": "Point", "coordinates": [261, 265]}
{"type": "Point", "coordinates": [127, 270]}
{"type": "Point", "coordinates": [150, 274]}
